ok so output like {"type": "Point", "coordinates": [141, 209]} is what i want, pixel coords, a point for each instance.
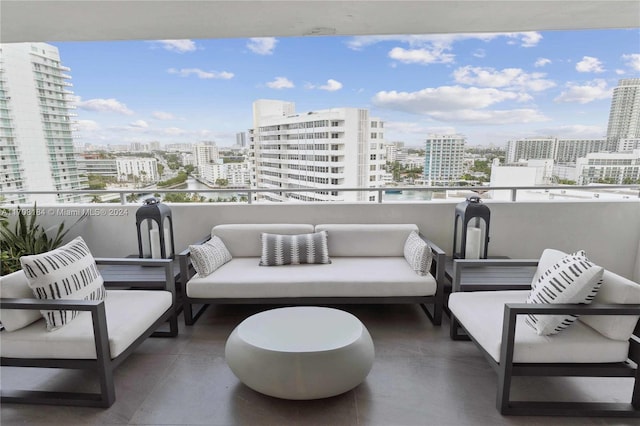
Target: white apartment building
{"type": "Point", "coordinates": [444, 159]}
{"type": "Point", "coordinates": [613, 167]}
{"type": "Point", "coordinates": [141, 169]}
{"type": "Point", "coordinates": [624, 115]}
{"type": "Point", "coordinates": [528, 148]}
{"type": "Point", "coordinates": [569, 150]}
{"type": "Point", "coordinates": [205, 153]}
{"type": "Point", "coordinates": [334, 148]}
{"type": "Point", "coordinates": [36, 142]}
{"type": "Point", "coordinates": [628, 144]}
{"type": "Point", "coordinates": [92, 164]}
{"type": "Point", "coordinates": [395, 151]}
{"type": "Point", "coordinates": [241, 139]}
{"type": "Point", "coordinates": [236, 174]}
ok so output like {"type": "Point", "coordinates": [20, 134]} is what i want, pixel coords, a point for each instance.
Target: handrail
{"type": "Point", "coordinates": [380, 190]}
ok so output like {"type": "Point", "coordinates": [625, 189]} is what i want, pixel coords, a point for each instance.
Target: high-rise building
{"type": "Point", "coordinates": [624, 115]}
{"type": "Point", "coordinates": [241, 139]}
{"type": "Point", "coordinates": [444, 159]}
{"type": "Point", "coordinates": [205, 153]}
{"type": "Point", "coordinates": [569, 150]}
{"type": "Point", "coordinates": [530, 148]}
{"type": "Point", "coordinates": [36, 141]}
{"type": "Point", "coordinates": [333, 148]}
{"type": "Point", "coordinates": [140, 169]}
{"type": "Point", "coordinates": [609, 167]}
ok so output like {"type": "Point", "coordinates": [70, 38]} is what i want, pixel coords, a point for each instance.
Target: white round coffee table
{"type": "Point", "coordinates": [303, 352]}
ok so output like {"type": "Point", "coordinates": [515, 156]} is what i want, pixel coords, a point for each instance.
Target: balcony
{"type": "Point", "coordinates": [419, 375]}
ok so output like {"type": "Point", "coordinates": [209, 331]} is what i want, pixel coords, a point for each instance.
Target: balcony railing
{"type": "Point", "coordinates": [249, 194]}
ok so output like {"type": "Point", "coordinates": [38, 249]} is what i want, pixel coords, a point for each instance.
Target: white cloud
{"type": "Point", "coordinates": [281, 83]}
{"type": "Point", "coordinates": [262, 45]}
{"type": "Point", "coordinates": [541, 62]}
{"type": "Point", "coordinates": [421, 56]}
{"type": "Point", "coordinates": [139, 124]}
{"type": "Point", "coordinates": [87, 126]}
{"type": "Point", "coordinates": [527, 39]}
{"type": "Point", "coordinates": [161, 115]}
{"type": "Point", "coordinates": [480, 53]}
{"type": "Point", "coordinates": [632, 60]}
{"type": "Point", "coordinates": [180, 46]}
{"type": "Point", "coordinates": [620, 72]}
{"type": "Point", "coordinates": [206, 75]}
{"type": "Point", "coordinates": [589, 64]}
{"type": "Point", "coordinates": [595, 90]}
{"type": "Point", "coordinates": [104, 105]}
{"type": "Point", "coordinates": [331, 86]}
{"type": "Point", "coordinates": [444, 98]}
{"type": "Point", "coordinates": [491, 116]}
{"type": "Point", "coordinates": [508, 78]}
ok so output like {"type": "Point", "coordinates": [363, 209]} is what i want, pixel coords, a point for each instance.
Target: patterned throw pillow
{"type": "Point", "coordinates": [294, 249]}
{"type": "Point", "coordinates": [209, 256]}
{"type": "Point", "coordinates": [68, 272]}
{"type": "Point", "coordinates": [418, 254]}
{"type": "Point", "coordinates": [573, 279]}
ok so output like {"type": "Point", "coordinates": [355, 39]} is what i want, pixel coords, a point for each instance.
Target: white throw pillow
{"type": "Point", "coordinates": [68, 272]}
{"type": "Point", "coordinates": [418, 254]}
{"type": "Point", "coordinates": [16, 286]}
{"type": "Point", "coordinates": [573, 279]}
{"type": "Point", "coordinates": [298, 249]}
{"type": "Point", "coordinates": [209, 256]}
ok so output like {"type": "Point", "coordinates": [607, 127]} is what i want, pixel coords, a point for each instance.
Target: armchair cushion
{"type": "Point", "coordinates": [573, 279]}
{"type": "Point", "coordinates": [209, 256]}
{"type": "Point", "coordinates": [68, 272]}
{"type": "Point", "coordinates": [418, 254]}
{"type": "Point", "coordinates": [16, 286]}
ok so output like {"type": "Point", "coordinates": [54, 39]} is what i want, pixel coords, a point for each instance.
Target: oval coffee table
{"type": "Point", "coordinates": [303, 352]}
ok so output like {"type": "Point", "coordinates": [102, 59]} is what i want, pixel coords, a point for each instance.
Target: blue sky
{"type": "Point", "coordinates": [489, 87]}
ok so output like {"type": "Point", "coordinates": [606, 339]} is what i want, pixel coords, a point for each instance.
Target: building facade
{"type": "Point", "coordinates": [610, 167]}
{"type": "Point", "coordinates": [444, 159]}
{"type": "Point", "coordinates": [36, 140]}
{"type": "Point", "coordinates": [530, 148]}
{"type": "Point", "coordinates": [334, 148]}
{"type": "Point", "coordinates": [140, 169]}
{"type": "Point", "coordinates": [203, 154]}
{"type": "Point", "coordinates": [624, 115]}
{"type": "Point", "coordinates": [236, 174]}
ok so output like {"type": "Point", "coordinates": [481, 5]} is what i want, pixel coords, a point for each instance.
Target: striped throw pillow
{"type": "Point", "coordinates": [209, 256]}
{"type": "Point", "coordinates": [573, 279]}
{"type": "Point", "coordinates": [68, 272]}
{"type": "Point", "coordinates": [294, 249]}
{"type": "Point", "coordinates": [417, 253]}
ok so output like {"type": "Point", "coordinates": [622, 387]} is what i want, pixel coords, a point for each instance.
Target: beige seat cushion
{"type": "Point", "coordinates": [481, 313]}
{"type": "Point", "coordinates": [129, 314]}
{"type": "Point", "coordinates": [344, 277]}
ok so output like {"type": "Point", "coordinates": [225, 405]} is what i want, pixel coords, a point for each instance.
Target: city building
{"type": "Point", "coordinates": [36, 142]}
{"type": "Point", "coordinates": [395, 151]}
{"type": "Point", "coordinates": [137, 169]}
{"type": "Point", "coordinates": [528, 148]}
{"type": "Point", "coordinates": [609, 167]}
{"type": "Point", "coordinates": [444, 159]}
{"type": "Point", "coordinates": [236, 174]}
{"type": "Point", "coordinates": [628, 144]}
{"type": "Point", "coordinates": [241, 139]}
{"type": "Point", "coordinates": [205, 153]}
{"type": "Point", "coordinates": [569, 150]}
{"type": "Point", "coordinates": [334, 148]}
{"type": "Point", "coordinates": [624, 115]}
{"type": "Point", "coordinates": [97, 164]}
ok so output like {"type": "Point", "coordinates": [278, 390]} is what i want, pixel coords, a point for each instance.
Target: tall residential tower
{"type": "Point", "coordinates": [624, 116]}
{"type": "Point", "coordinates": [36, 141]}
{"type": "Point", "coordinates": [443, 163]}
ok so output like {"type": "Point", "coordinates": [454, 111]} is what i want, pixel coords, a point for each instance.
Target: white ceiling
{"type": "Point", "coordinates": [78, 20]}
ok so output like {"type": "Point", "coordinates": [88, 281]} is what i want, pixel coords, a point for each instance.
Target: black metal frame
{"type": "Point", "coordinates": [506, 369]}
{"type": "Point", "coordinates": [435, 314]}
{"type": "Point", "coordinates": [103, 365]}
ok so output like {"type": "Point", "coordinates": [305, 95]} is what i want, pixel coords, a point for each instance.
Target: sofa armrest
{"type": "Point", "coordinates": [95, 307]}
{"type": "Point", "coordinates": [438, 255]}
{"type": "Point", "coordinates": [184, 258]}
{"type": "Point", "coordinates": [512, 310]}
{"type": "Point", "coordinates": [459, 265]}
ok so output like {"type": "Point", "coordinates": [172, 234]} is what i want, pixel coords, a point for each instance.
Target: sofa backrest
{"type": "Point", "coordinates": [365, 240]}
{"type": "Point", "coordinates": [243, 240]}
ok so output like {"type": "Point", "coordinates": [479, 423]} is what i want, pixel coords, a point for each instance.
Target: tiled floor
{"type": "Point", "coordinates": [419, 377]}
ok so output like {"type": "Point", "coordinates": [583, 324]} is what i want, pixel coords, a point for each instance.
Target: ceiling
{"type": "Point", "coordinates": [83, 20]}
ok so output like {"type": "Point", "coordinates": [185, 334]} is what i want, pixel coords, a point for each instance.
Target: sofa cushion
{"type": "Point", "coordinates": [129, 314]}
{"type": "Point", "coordinates": [615, 289]}
{"type": "Point", "coordinates": [364, 240]}
{"type": "Point", "coordinates": [344, 277]}
{"type": "Point", "coordinates": [209, 256]}
{"type": "Point", "coordinates": [548, 258]}
{"type": "Point", "coordinates": [243, 240]}
{"type": "Point", "coordinates": [573, 279]}
{"type": "Point", "coordinates": [278, 249]}
{"type": "Point", "coordinates": [417, 253]}
{"type": "Point", "coordinates": [68, 272]}
{"type": "Point", "coordinates": [481, 314]}
{"type": "Point", "coordinates": [16, 286]}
